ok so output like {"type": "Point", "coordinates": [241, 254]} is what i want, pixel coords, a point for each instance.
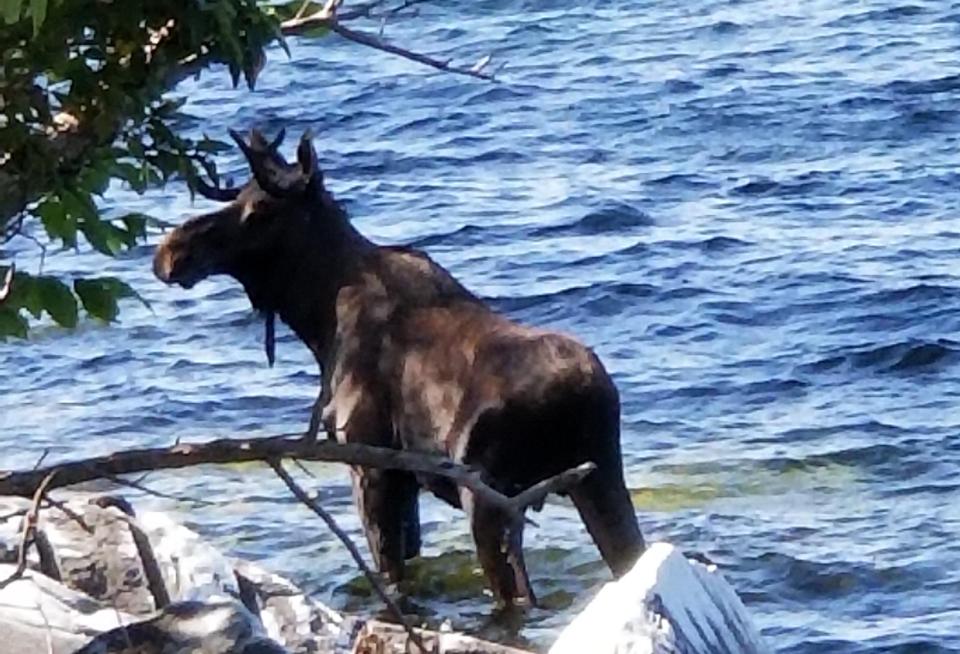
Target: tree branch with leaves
{"type": "Point", "coordinates": [84, 100]}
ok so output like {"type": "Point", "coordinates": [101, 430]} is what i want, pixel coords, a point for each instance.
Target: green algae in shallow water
{"type": "Point", "coordinates": [755, 480]}
{"type": "Point", "coordinates": [673, 497]}
{"type": "Point", "coordinates": [453, 577]}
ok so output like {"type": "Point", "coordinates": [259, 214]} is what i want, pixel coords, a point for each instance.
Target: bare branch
{"type": "Point", "coordinates": [374, 580]}
{"type": "Point", "coordinates": [137, 485]}
{"type": "Point", "coordinates": [377, 44]}
{"type": "Point", "coordinates": [224, 451]}
{"type": "Point", "coordinates": [327, 17]}
{"type": "Point", "coordinates": [70, 513]}
{"type": "Point", "coordinates": [29, 529]}
{"type": "Point", "coordinates": [43, 457]}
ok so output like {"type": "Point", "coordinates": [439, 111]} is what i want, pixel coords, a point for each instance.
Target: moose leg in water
{"type": "Point", "coordinates": [387, 501]}
{"type": "Point", "coordinates": [499, 542]}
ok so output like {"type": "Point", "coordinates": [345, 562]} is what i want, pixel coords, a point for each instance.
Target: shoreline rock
{"type": "Point", "coordinates": [109, 580]}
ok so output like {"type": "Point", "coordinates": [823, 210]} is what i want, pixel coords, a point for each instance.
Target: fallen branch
{"type": "Point", "coordinates": [23, 483]}
{"type": "Point", "coordinates": [371, 576]}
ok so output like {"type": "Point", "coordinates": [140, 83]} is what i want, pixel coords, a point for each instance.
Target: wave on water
{"type": "Point", "coordinates": [902, 357]}
{"type": "Point", "coordinates": [810, 581]}
{"type": "Point", "coordinates": [612, 217]}
{"type": "Point", "coordinates": [599, 299]}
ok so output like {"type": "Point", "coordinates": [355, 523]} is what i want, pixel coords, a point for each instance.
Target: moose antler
{"type": "Point", "coordinates": [215, 193]}
{"type": "Point", "coordinates": [269, 168]}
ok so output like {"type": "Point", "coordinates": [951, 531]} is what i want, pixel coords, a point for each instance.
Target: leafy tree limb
{"type": "Point", "coordinates": [83, 104]}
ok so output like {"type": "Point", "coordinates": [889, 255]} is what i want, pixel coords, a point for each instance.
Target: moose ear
{"type": "Point", "coordinates": [307, 158]}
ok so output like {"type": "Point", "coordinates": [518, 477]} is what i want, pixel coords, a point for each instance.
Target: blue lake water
{"type": "Point", "coordinates": [749, 209]}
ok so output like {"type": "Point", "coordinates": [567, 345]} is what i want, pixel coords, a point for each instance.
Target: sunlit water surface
{"type": "Point", "coordinates": [748, 208]}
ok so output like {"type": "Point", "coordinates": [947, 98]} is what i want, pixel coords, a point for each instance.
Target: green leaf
{"type": "Point", "coordinates": [11, 10]}
{"type": "Point", "coordinates": [99, 300]}
{"type": "Point", "coordinates": [99, 296]}
{"type": "Point", "coordinates": [12, 323]}
{"type": "Point", "coordinates": [58, 224]}
{"type": "Point", "coordinates": [136, 225]}
{"type": "Point", "coordinates": [96, 177]}
{"type": "Point", "coordinates": [131, 174]}
{"type": "Point", "coordinates": [57, 300]}
{"type": "Point", "coordinates": [79, 204]}
{"type": "Point", "coordinates": [38, 9]}
{"type": "Point", "coordinates": [105, 238]}
{"type": "Point", "coordinates": [24, 294]}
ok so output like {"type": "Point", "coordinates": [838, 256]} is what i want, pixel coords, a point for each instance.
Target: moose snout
{"type": "Point", "coordinates": [173, 264]}
{"type": "Point", "coordinates": [163, 263]}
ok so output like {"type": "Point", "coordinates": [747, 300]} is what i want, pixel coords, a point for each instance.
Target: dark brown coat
{"type": "Point", "coordinates": [411, 359]}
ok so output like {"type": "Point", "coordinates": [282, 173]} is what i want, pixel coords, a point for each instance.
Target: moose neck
{"type": "Point", "coordinates": [301, 280]}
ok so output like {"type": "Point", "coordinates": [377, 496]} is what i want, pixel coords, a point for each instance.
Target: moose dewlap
{"type": "Point", "coordinates": [411, 359]}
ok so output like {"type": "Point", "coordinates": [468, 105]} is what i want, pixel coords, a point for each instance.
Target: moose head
{"type": "Point", "coordinates": [271, 212]}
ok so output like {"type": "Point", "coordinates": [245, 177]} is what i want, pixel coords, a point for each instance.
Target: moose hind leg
{"type": "Point", "coordinates": [499, 546]}
{"type": "Point", "coordinates": [607, 511]}
{"type": "Point", "coordinates": [388, 507]}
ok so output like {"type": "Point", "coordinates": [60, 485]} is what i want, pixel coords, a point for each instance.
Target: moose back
{"type": "Point", "coordinates": [411, 359]}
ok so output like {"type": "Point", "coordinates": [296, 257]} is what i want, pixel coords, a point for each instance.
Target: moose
{"type": "Point", "coordinates": [411, 359]}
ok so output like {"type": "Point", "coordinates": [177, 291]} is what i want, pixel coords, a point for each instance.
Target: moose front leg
{"type": "Point", "coordinates": [387, 501]}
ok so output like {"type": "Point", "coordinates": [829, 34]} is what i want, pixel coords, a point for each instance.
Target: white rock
{"type": "Point", "coordinates": [665, 604]}
{"type": "Point", "coordinates": [38, 614]}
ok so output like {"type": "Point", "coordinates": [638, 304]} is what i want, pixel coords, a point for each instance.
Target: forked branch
{"type": "Point", "coordinates": [24, 483]}
{"type": "Point", "coordinates": [329, 17]}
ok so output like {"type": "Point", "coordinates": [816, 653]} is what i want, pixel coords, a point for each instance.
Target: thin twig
{"type": "Point", "coordinates": [329, 19]}
{"type": "Point", "coordinates": [29, 527]}
{"type": "Point", "coordinates": [13, 514]}
{"type": "Point", "coordinates": [70, 513]}
{"type": "Point", "coordinates": [43, 456]}
{"type": "Point", "coordinates": [43, 249]}
{"type": "Point", "coordinates": [155, 493]}
{"type": "Point", "coordinates": [374, 580]}
{"type": "Point", "coordinates": [303, 468]}
{"type": "Point", "coordinates": [372, 41]}
{"type": "Point", "coordinates": [50, 502]}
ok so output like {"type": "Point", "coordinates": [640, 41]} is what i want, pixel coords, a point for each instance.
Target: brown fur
{"type": "Point", "coordinates": [411, 359]}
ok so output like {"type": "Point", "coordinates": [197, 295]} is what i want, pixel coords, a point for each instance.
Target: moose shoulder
{"type": "Point", "coordinates": [411, 359]}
